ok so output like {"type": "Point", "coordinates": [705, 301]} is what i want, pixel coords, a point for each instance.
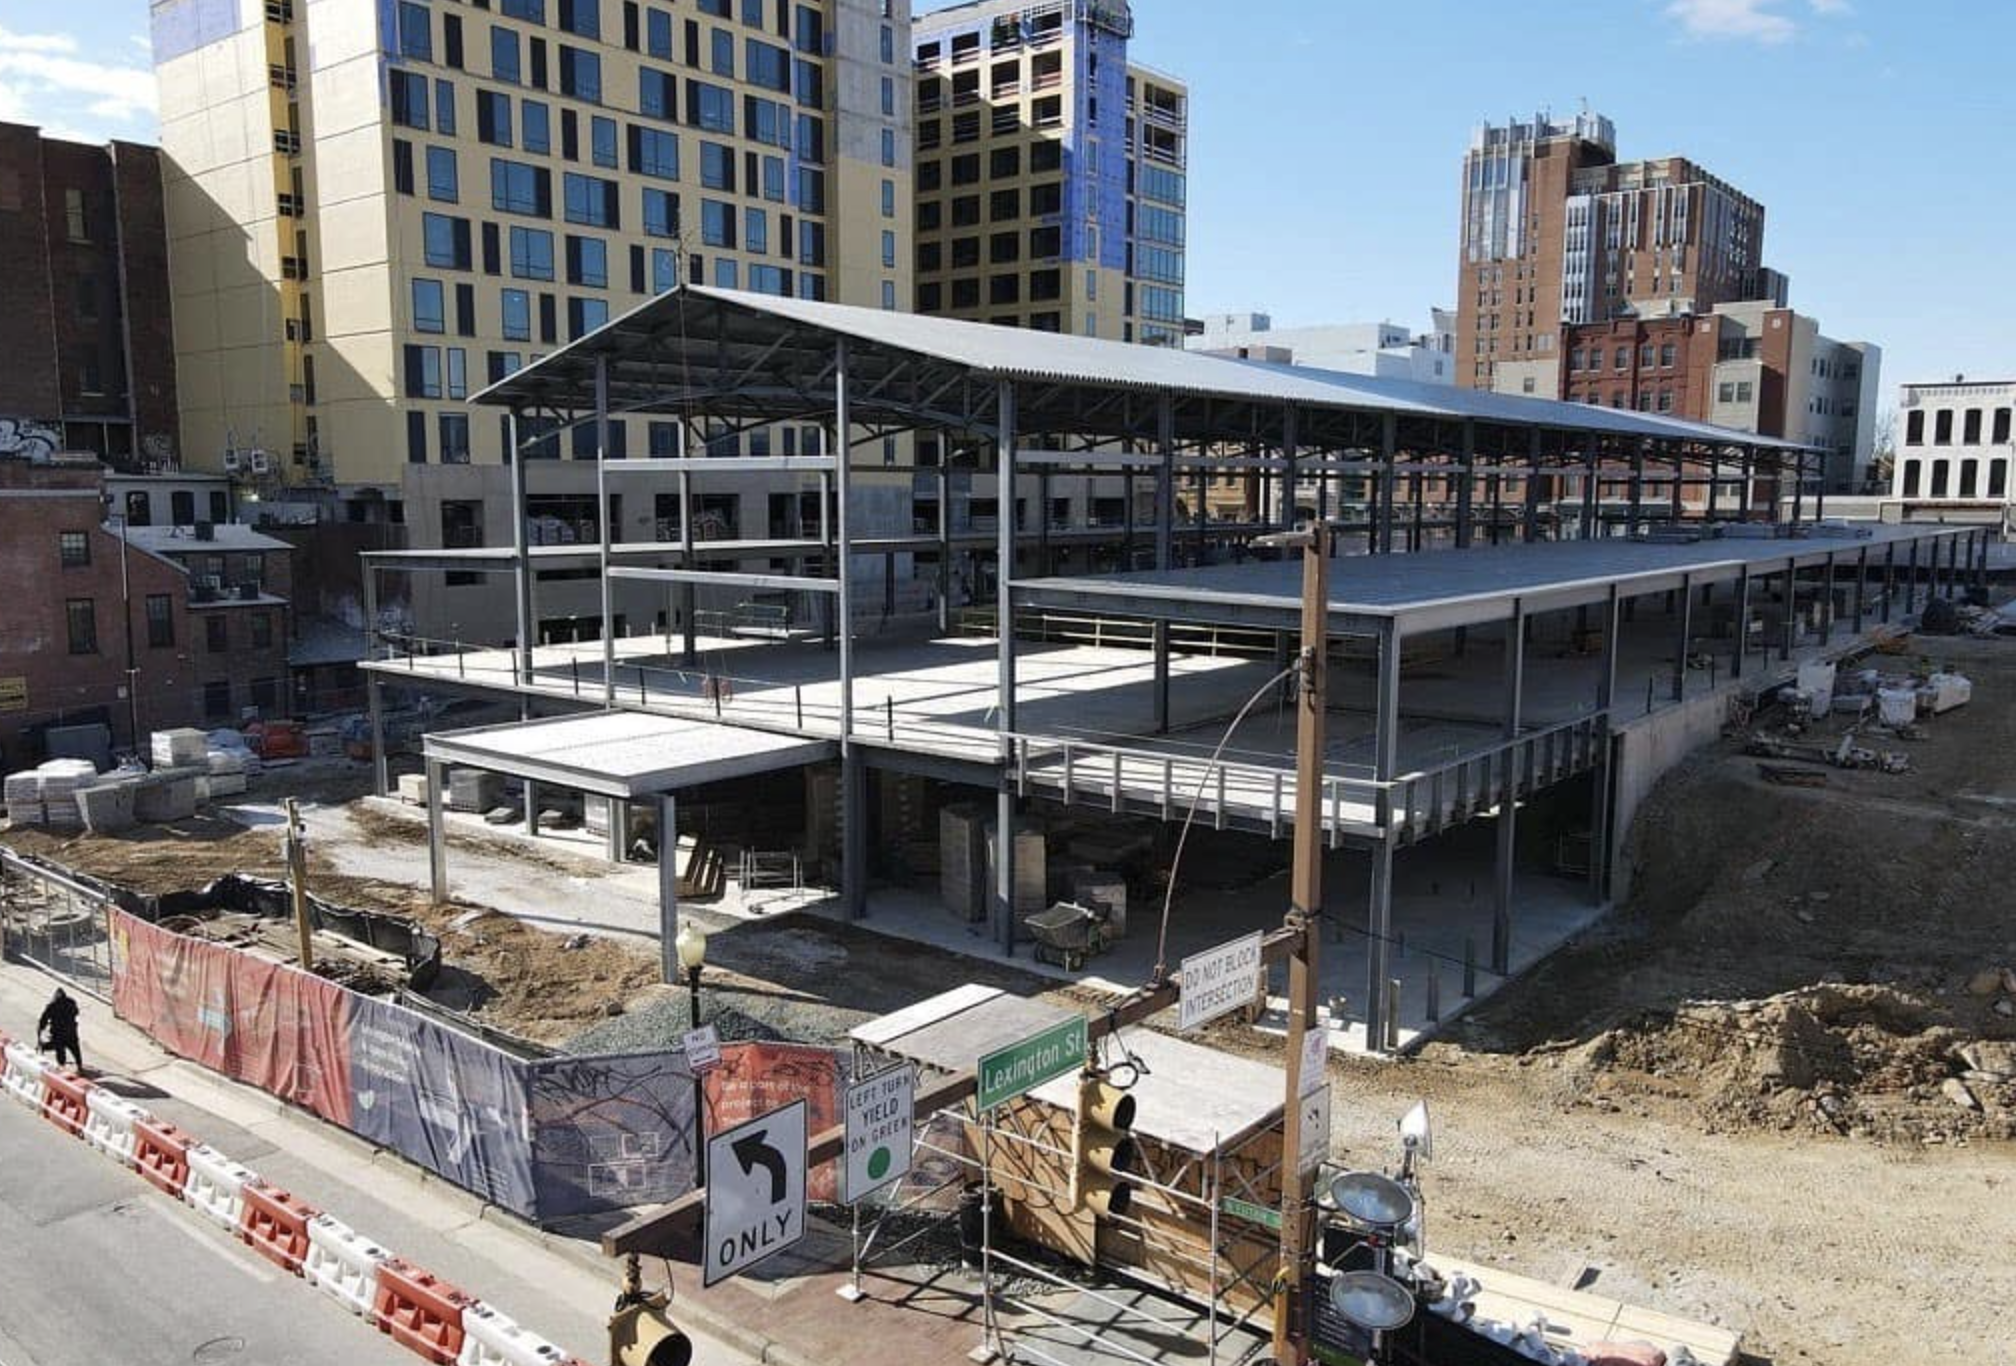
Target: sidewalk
{"type": "Point", "coordinates": [787, 1312]}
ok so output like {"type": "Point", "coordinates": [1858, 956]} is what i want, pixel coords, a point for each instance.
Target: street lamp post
{"type": "Point", "coordinates": [691, 945]}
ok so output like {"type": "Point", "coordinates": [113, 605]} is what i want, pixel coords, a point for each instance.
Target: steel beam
{"type": "Point", "coordinates": [668, 885]}
{"type": "Point", "coordinates": [1004, 623]}
{"type": "Point", "coordinates": [604, 533]}
{"type": "Point", "coordinates": [437, 832]}
{"type": "Point", "coordinates": [1385, 767]}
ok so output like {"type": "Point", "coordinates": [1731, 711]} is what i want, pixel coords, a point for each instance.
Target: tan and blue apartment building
{"type": "Point", "coordinates": [377, 207]}
{"type": "Point", "coordinates": [1050, 171]}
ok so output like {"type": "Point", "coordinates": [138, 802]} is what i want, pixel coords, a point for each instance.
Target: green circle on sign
{"type": "Point", "coordinates": [878, 1163]}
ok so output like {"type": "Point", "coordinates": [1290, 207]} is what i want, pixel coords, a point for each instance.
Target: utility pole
{"type": "Point", "coordinates": [1304, 928]}
{"type": "Point", "coordinates": [297, 877]}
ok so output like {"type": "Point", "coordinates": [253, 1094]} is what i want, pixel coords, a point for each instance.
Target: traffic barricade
{"type": "Point", "coordinates": [422, 1312]}
{"type": "Point", "coordinates": [490, 1338]}
{"type": "Point", "coordinates": [343, 1264]}
{"type": "Point", "coordinates": [109, 1122]}
{"type": "Point", "coordinates": [65, 1099]}
{"type": "Point", "coordinates": [23, 1077]}
{"type": "Point", "coordinates": [161, 1154]}
{"type": "Point", "coordinates": [215, 1187]}
{"type": "Point", "coordinates": [275, 1224]}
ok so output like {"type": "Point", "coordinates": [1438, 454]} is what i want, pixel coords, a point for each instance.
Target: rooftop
{"type": "Point", "coordinates": [225, 538]}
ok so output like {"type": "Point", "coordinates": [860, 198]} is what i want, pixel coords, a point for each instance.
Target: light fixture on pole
{"type": "Point", "coordinates": [691, 946]}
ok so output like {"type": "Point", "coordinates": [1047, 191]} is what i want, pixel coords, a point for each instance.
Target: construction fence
{"type": "Point", "coordinates": [547, 1138]}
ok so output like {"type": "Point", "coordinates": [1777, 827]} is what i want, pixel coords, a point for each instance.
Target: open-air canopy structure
{"type": "Point", "coordinates": [1540, 504]}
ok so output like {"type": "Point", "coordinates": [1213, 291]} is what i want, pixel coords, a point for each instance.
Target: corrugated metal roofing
{"type": "Point", "coordinates": [1056, 358]}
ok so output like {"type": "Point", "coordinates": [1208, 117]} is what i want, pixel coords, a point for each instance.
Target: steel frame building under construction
{"type": "Point", "coordinates": [1560, 521]}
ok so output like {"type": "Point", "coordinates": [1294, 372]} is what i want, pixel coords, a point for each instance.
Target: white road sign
{"type": "Point", "coordinates": [1219, 980]}
{"type": "Point", "coordinates": [879, 1112]}
{"type": "Point", "coordinates": [1315, 1058]}
{"type": "Point", "coordinates": [1315, 1132]}
{"type": "Point", "coordinates": [755, 1191]}
{"type": "Point", "coordinates": [703, 1049]}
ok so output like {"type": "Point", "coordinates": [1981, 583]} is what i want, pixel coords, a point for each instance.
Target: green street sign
{"type": "Point", "coordinates": [1009, 1072]}
{"type": "Point", "coordinates": [1246, 1209]}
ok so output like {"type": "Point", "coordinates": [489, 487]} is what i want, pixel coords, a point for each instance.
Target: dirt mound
{"type": "Point", "coordinates": [1861, 1060]}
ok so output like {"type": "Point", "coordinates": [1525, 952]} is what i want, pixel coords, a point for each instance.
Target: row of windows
{"type": "Point", "coordinates": [1969, 483]}
{"type": "Point", "coordinates": [80, 618]}
{"type": "Point", "coordinates": [964, 169]}
{"type": "Point", "coordinates": [1665, 355]}
{"type": "Point", "coordinates": [1942, 427]}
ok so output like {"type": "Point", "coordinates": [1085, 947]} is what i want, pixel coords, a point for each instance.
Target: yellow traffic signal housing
{"type": "Point", "coordinates": [1103, 1153]}
{"type": "Point", "coordinates": [641, 1335]}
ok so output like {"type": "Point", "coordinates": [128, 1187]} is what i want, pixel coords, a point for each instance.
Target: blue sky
{"type": "Point", "coordinates": [1327, 136]}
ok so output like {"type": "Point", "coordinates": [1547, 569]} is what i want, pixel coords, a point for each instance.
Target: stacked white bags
{"type": "Point", "coordinates": [60, 780]}
{"type": "Point", "coordinates": [181, 748]}
{"type": "Point", "coordinates": [22, 793]}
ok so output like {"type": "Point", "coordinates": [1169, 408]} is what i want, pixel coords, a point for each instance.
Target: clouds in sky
{"type": "Point", "coordinates": [48, 79]}
{"type": "Point", "coordinates": [1756, 21]}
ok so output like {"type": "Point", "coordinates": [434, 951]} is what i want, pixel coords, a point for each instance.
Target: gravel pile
{"type": "Point", "coordinates": [661, 1021]}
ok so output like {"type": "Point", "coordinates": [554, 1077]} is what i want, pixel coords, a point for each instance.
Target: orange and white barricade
{"type": "Point", "coordinates": [109, 1122]}
{"type": "Point", "coordinates": [215, 1187]}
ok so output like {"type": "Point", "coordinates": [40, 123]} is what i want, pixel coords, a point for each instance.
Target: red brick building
{"type": "Point", "coordinates": [199, 627]}
{"type": "Point", "coordinates": [90, 352]}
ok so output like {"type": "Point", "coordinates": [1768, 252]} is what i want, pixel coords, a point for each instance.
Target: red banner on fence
{"type": "Point", "coordinates": [755, 1078]}
{"type": "Point", "coordinates": [271, 1026]}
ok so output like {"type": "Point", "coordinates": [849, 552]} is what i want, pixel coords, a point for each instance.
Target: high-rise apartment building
{"type": "Point", "coordinates": [85, 290]}
{"type": "Point", "coordinates": [377, 207]}
{"type": "Point", "coordinates": [1050, 171]}
{"type": "Point", "coordinates": [1556, 230]}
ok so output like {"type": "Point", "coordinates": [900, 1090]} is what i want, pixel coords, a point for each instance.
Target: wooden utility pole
{"type": "Point", "coordinates": [1304, 921]}
{"type": "Point", "coordinates": [297, 877]}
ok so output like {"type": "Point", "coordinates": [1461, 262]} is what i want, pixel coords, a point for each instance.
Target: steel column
{"type": "Point", "coordinates": [1685, 627]}
{"type": "Point", "coordinates": [437, 832]}
{"type": "Point", "coordinates": [1600, 835]}
{"type": "Point", "coordinates": [1004, 622]}
{"type": "Point", "coordinates": [1742, 622]}
{"type": "Point", "coordinates": [1889, 580]}
{"type": "Point", "coordinates": [1389, 444]}
{"type": "Point", "coordinates": [604, 531]}
{"type": "Point", "coordinates": [1290, 453]}
{"type": "Point", "coordinates": [1165, 518]}
{"type": "Point", "coordinates": [853, 780]}
{"type": "Point", "coordinates": [944, 535]}
{"type": "Point", "coordinates": [520, 545]}
{"type": "Point", "coordinates": [1385, 765]}
{"type": "Point", "coordinates": [1637, 509]}
{"type": "Point", "coordinates": [689, 594]}
{"type": "Point", "coordinates": [1531, 515]}
{"type": "Point", "coordinates": [1911, 579]}
{"type": "Point", "coordinates": [1861, 586]}
{"type": "Point", "coordinates": [381, 780]}
{"type": "Point", "coordinates": [1513, 686]}
{"type": "Point", "coordinates": [668, 887]}
{"type": "Point", "coordinates": [1465, 485]}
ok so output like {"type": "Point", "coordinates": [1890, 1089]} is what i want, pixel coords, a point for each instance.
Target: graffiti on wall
{"type": "Point", "coordinates": [24, 438]}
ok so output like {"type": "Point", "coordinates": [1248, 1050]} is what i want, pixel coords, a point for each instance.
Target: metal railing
{"type": "Point", "coordinates": [1077, 767]}
{"type": "Point", "coordinates": [56, 923]}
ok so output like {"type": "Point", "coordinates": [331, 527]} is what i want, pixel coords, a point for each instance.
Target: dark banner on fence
{"type": "Point", "coordinates": [610, 1132]}
{"type": "Point", "coordinates": [448, 1102]}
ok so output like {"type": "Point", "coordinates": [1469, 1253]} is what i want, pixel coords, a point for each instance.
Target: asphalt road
{"type": "Point", "coordinates": [96, 1267]}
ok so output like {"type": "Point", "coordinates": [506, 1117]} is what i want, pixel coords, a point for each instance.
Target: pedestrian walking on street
{"type": "Point", "coordinates": [58, 1028]}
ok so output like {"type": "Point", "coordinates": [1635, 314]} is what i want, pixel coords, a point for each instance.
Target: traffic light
{"type": "Point", "coordinates": [1103, 1154]}
{"type": "Point", "coordinates": [641, 1335]}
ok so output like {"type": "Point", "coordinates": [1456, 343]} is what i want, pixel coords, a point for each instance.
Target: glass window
{"type": "Point", "coordinates": [429, 311]}
{"type": "Point", "coordinates": [454, 438]}
{"type": "Point", "coordinates": [888, 199]}
{"type": "Point", "coordinates": [517, 314]}
{"type": "Point", "coordinates": [725, 274]}
{"type": "Point", "coordinates": [717, 166]}
{"type": "Point", "coordinates": [458, 372]}
{"type": "Point", "coordinates": [723, 50]}
{"type": "Point", "coordinates": [756, 230]}
{"type": "Point", "coordinates": [661, 213]}
{"type": "Point", "coordinates": [409, 98]}
{"type": "Point", "coordinates": [654, 152]}
{"type": "Point", "coordinates": [73, 549]}
{"type": "Point", "coordinates": [216, 632]}
{"type": "Point", "coordinates": [888, 146]}
{"type": "Point", "coordinates": [664, 269]}
{"type": "Point", "coordinates": [587, 261]}
{"type": "Point", "coordinates": [767, 66]}
{"type": "Point", "coordinates": [493, 118]}
{"type": "Point", "coordinates": [773, 179]}
{"type": "Point", "coordinates": [441, 177]}
{"type": "Point", "coordinates": [656, 94]}
{"type": "Point", "coordinates": [602, 141]}
{"type": "Point", "coordinates": [580, 74]}
{"type": "Point", "coordinates": [81, 617]}
{"type": "Point", "coordinates": [770, 280]}
{"type": "Point", "coordinates": [582, 18]}
{"type": "Point", "coordinates": [531, 254]}
{"type": "Point", "coordinates": [504, 61]}
{"type": "Point", "coordinates": [532, 10]}
{"type": "Point", "coordinates": [446, 240]}
{"type": "Point", "coordinates": [516, 187]}
{"type": "Point", "coordinates": [416, 36]}
{"type": "Point", "coordinates": [423, 371]}
{"type": "Point", "coordinates": [535, 126]}
{"type": "Point", "coordinates": [591, 201]}
{"type": "Point", "coordinates": [717, 223]}
{"type": "Point", "coordinates": [584, 316]}
{"type": "Point", "coordinates": [444, 106]}
{"type": "Point", "coordinates": [658, 34]}
{"type": "Point", "coordinates": [710, 107]}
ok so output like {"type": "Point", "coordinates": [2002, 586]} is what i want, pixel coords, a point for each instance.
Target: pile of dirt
{"type": "Point", "coordinates": [1861, 1060]}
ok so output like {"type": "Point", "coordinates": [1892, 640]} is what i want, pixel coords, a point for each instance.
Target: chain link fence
{"type": "Point", "coordinates": [56, 923]}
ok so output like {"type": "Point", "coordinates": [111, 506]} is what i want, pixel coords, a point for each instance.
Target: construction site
{"type": "Point", "coordinates": [1656, 827]}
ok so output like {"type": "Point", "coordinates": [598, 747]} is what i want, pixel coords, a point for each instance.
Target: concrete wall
{"type": "Point", "coordinates": [1646, 749]}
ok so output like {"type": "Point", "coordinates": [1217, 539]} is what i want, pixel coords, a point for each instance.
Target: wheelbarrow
{"type": "Point", "coordinates": [1067, 934]}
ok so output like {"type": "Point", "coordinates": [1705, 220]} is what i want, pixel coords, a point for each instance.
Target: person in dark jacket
{"type": "Point", "coordinates": [59, 1027]}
